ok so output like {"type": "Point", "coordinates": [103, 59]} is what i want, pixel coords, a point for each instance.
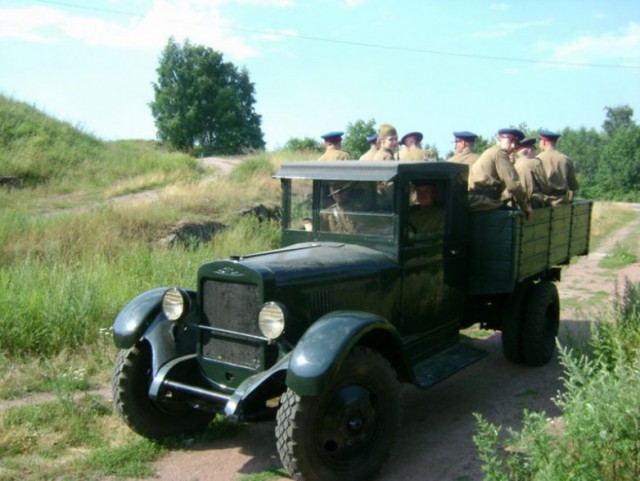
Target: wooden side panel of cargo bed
{"type": "Point", "coordinates": [505, 249]}
{"type": "Point", "coordinates": [494, 242]}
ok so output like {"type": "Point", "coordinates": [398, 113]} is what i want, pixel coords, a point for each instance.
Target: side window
{"type": "Point", "coordinates": [427, 208]}
{"type": "Point", "coordinates": [300, 203]}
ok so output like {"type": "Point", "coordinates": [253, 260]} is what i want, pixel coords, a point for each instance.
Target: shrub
{"type": "Point", "coordinates": [598, 435]}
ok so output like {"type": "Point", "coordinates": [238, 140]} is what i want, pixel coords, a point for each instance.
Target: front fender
{"type": "Point", "coordinates": [136, 316]}
{"type": "Point", "coordinates": [143, 318]}
{"type": "Point", "coordinates": [320, 352]}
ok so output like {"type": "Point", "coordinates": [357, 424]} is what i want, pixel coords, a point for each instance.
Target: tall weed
{"type": "Point", "coordinates": [598, 435]}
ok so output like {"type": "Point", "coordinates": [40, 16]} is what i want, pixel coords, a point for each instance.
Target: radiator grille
{"type": "Point", "coordinates": [233, 307]}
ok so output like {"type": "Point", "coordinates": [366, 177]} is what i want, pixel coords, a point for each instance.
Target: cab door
{"type": "Point", "coordinates": [432, 280]}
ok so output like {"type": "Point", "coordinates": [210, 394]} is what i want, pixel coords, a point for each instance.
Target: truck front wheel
{"type": "Point", "coordinates": [541, 322]}
{"type": "Point", "coordinates": [130, 384]}
{"type": "Point", "coordinates": [345, 433]}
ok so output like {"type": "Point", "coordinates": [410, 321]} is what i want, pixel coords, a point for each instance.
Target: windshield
{"type": "Point", "coordinates": [343, 207]}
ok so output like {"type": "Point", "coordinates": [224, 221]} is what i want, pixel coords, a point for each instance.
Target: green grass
{"type": "Point", "coordinates": [267, 475]}
{"type": "Point", "coordinates": [607, 217]}
{"type": "Point", "coordinates": [73, 438]}
{"type": "Point", "coordinates": [620, 256]}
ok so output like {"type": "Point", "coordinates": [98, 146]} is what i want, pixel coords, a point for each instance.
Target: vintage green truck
{"type": "Point", "coordinates": [321, 332]}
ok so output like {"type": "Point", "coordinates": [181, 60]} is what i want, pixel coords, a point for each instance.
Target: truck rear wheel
{"type": "Point", "coordinates": [512, 321]}
{"type": "Point", "coordinates": [346, 432]}
{"type": "Point", "coordinates": [130, 384]}
{"type": "Point", "coordinates": [541, 323]}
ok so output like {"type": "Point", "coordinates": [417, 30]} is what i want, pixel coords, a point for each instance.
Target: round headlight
{"type": "Point", "coordinates": [175, 303]}
{"type": "Point", "coordinates": [271, 320]}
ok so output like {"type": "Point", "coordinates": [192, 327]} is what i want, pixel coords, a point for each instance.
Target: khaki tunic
{"type": "Point", "coordinates": [426, 220]}
{"type": "Point", "coordinates": [534, 179]}
{"type": "Point", "coordinates": [561, 173]}
{"type": "Point", "coordinates": [334, 154]}
{"type": "Point", "coordinates": [384, 154]}
{"type": "Point", "coordinates": [467, 156]}
{"type": "Point", "coordinates": [489, 176]}
{"type": "Point", "coordinates": [412, 154]}
{"type": "Point", "coordinates": [337, 221]}
{"type": "Point", "coordinates": [369, 154]}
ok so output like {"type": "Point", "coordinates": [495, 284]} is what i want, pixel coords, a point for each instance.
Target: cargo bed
{"type": "Point", "coordinates": [506, 249]}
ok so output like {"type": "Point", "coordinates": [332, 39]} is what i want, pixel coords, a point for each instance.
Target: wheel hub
{"type": "Point", "coordinates": [348, 424]}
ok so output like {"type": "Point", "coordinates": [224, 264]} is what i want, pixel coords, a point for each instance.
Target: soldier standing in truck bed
{"type": "Point", "coordinates": [463, 150]}
{"type": "Point", "coordinates": [413, 150]}
{"type": "Point", "coordinates": [492, 173]}
{"type": "Point", "coordinates": [373, 148]}
{"type": "Point", "coordinates": [333, 145]}
{"type": "Point", "coordinates": [387, 142]}
{"type": "Point", "coordinates": [532, 176]}
{"type": "Point", "coordinates": [559, 168]}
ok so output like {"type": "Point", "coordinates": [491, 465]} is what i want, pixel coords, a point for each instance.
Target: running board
{"type": "Point", "coordinates": [439, 367]}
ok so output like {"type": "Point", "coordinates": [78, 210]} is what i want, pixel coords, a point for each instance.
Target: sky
{"type": "Point", "coordinates": [421, 65]}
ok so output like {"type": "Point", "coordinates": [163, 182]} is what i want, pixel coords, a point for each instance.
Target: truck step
{"type": "Point", "coordinates": [442, 365]}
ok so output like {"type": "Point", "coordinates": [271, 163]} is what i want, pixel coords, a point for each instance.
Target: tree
{"type": "Point", "coordinates": [355, 139]}
{"type": "Point", "coordinates": [584, 146]}
{"type": "Point", "coordinates": [618, 174]}
{"type": "Point", "coordinates": [617, 117]}
{"type": "Point", "coordinates": [303, 144]}
{"type": "Point", "coordinates": [202, 104]}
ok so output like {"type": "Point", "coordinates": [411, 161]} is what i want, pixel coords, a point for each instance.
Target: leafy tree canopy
{"type": "Point", "coordinates": [355, 139]}
{"type": "Point", "coordinates": [303, 144]}
{"type": "Point", "coordinates": [202, 104]}
{"type": "Point", "coordinates": [617, 117]}
{"type": "Point", "coordinates": [618, 173]}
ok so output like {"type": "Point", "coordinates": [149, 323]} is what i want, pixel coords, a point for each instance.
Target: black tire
{"type": "Point", "coordinates": [345, 433]}
{"type": "Point", "coordinates": [541, 323]}
{"type": "Point", "coordinates": [512, 322]}
{"type": "Point", "coordinates": [156, 420]}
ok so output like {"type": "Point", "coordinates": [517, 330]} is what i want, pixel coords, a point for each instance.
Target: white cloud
{"type": "Point", "coordinates": [198, 20]}
{"type": "Point", "coordinates": [506, 29]}
{"type": "Point", "coordinates": [623, 45]}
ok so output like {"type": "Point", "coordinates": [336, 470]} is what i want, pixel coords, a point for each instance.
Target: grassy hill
{"type": "Point", "coordinates": [44, 151]}
{"type": "Point", "coordinates": [71, 258]}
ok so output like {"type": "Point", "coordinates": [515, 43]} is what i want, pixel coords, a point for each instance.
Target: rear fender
{"type": "Point", "coordinates": [318, 356]}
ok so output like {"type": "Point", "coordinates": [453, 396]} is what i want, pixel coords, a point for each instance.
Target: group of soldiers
{"type": "Point", "coordinates": [506, 175]}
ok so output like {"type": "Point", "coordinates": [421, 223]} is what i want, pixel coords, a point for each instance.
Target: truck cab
{"type": "Point", "coordinates": [380, 266]}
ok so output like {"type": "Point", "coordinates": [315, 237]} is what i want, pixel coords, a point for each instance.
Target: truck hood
{"type": "Point", "coordinates": [300, 263]}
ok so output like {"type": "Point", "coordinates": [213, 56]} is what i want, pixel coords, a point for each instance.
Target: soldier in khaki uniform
{"type": "Point", "coordinates": [559, 168]}
{"type": "Point", "coordinates": [463, 150]}
{"type": "Point", "coordinates": [413, 151]}
{"type": "Point", "coordinates": [426, 216]}
{"type": "Point", "coordinates": [373, 148]}
{"type": "Point", "coordinates": [333, 145]}
{"type": "Point", "coordinates": [492, 173]}
{"type": "Point", "coordinates": [334, 217]}
{"type": "Point", "coordinates": [532, 176]}
{"type": "Point", "coordinates": [387, 143]}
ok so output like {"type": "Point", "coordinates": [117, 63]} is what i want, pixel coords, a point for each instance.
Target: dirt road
{"type": "Point", "coordinates": [435, 439]}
